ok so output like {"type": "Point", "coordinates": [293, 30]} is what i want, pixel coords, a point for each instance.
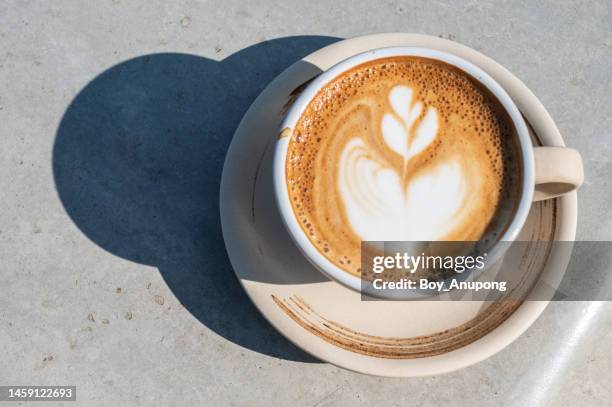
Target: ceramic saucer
{"type": "Point", "coordinates": [331, 322]}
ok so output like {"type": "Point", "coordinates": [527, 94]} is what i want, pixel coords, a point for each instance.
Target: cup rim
{"type": "Point", "coordinates": [306, 247]}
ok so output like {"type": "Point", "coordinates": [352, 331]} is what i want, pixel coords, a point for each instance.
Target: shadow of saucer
{"type": "Point", "coordinates": [137, 163]}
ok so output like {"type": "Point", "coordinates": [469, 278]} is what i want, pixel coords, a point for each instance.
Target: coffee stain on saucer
{"type": "Point", "coordinates": [395, 347]}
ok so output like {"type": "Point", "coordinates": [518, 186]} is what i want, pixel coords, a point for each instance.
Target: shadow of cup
{"type": "Point", "coordinates": [137, 163]}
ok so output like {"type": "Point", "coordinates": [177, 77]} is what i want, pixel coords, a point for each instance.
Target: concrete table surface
{"type": "Point", "coordinates": [115, 117]}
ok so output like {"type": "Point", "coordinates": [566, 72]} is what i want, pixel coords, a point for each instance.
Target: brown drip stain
{"type": "Point", "coordinates": [395, 348]}
{"type": "Point", "coordinates": [286, 132]}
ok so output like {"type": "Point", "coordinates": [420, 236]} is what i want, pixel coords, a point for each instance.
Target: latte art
{"type": "Point", "coordinates": [401, 149]}
{"type": "Point", "coordinates": [378, 203]}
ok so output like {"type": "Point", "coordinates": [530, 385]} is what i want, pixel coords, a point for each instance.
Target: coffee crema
{"type": "Point", "coordinates": [402, 149]}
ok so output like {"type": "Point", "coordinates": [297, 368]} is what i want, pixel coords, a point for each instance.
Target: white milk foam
{"type": "Point", "coordinates": [378, 207]}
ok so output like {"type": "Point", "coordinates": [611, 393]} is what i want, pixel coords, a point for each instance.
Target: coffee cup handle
{"type": "Point", "coordinates": [558, 170]}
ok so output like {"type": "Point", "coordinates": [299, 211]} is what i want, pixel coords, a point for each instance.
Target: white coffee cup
{"type": "Point", "coordinates": [548, 172]}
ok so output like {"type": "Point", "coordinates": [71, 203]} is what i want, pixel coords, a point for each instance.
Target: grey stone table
{"type": "Point", "coordinates": [115, 117]}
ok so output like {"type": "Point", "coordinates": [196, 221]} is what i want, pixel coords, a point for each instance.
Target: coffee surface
{"type": "Point", "coordinates": [402, 148]}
